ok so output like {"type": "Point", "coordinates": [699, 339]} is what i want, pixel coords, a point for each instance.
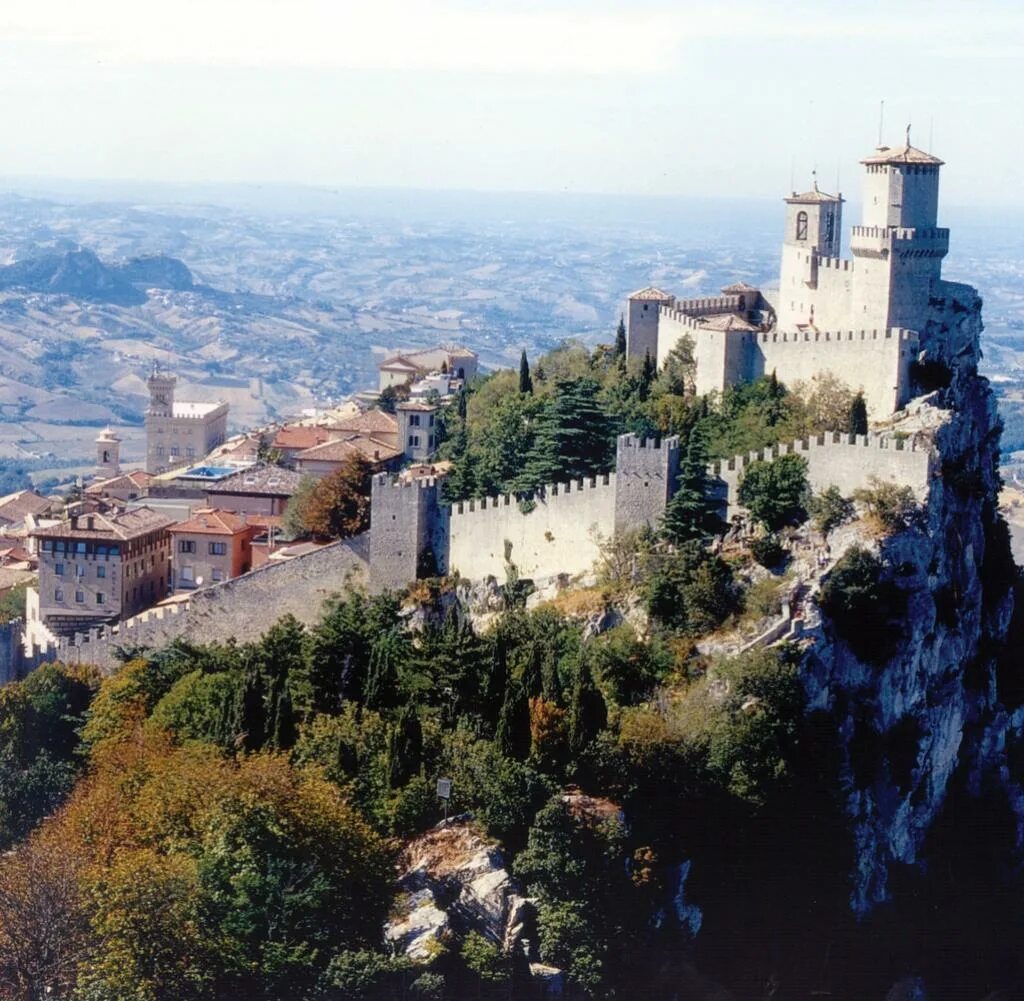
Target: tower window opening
{"type": "Point", "coordinates": [801, 225]}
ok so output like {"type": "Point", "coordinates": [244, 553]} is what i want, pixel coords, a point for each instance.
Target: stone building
{"type": "Point", "coordinates": [261, 490]}
{"type": "Point", "coordinates": [179, 432]}
{"type": "Point", "coordinates": [98, 567]}
{"type": "Point", "coordinates": [858, 318]}
{"type": "Point", "coordinates": [212, 546]}
{"type": "Point", "coordinates": [417, 429]}
{"type": "Point", "coordinates": [405, 367]}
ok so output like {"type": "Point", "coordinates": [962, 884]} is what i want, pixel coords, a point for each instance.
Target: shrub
{"type": "Point", "coordinates": [889, 506]}
{"type": "Point", "coordinates": [768, 551]}
{"type": "Point", "coordinates": [863, 605]}
{"type": "Point", "coordinates": [829, 509]}
{"type": "Point", "coordinates": [775, 492]}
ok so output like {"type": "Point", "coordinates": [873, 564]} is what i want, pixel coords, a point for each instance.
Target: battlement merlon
{"type": "Point", "coordinates": [646, 472]}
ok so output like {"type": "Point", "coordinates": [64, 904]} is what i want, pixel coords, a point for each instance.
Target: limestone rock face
{"type": "Point", "coordinates": [933, 708]}
{"type": "Point", "coordinates": [455, 881]}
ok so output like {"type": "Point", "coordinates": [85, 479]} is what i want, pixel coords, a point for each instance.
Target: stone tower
{"type": "Point", "coordinates": [813, 231]}
{"type": "Point", "coordinates": [158, 419]}
{"type": "Point", "coordinates": [108, 454]}
{"type": "Point", "coordinates": [161, 394]}
{"type": "Point", "coordinates": [642, 321]}
{"type": "Point", "coordinates": [407, 521]}
{"type": "Point", "coordinates": [645, 479]}
{"type": "Point", "coordinates": [899, 247]}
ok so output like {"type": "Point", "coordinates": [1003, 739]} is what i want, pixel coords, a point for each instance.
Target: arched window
{"type": "Point", "coordinates": [106, 456]}
{"type": "Point", "coordinates": [801, 225]}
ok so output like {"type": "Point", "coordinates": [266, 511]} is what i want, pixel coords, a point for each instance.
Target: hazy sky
{"type": "Point", "coordinates": [715, 98]}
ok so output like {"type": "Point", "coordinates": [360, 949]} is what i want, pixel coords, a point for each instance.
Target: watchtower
{"type": "Point", "coordinates": [642, 321]}
{"type": "Point", "coordinates": [407, 521]}
{"type": "Point", "coordinates": [813, 231]}
{"type": "Point", "coordinates": [161, 394]}
{"type": "Point", "coordinates": [899, 247]}
{"type": "Point", "coordinates": [645, 479]}
{"type": "Point", "coordinates": [108, 454]}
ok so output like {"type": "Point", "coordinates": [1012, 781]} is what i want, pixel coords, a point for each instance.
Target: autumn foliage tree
{"type": "Point", "coordinates": [336, 507]}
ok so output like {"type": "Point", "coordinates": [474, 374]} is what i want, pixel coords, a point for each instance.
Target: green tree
{"type": "Point", "coordinates": [588, 715]}
{"type": "Point", "coordinates": [573, 438]}
{"type": "Point", "coordinates": [648, 372]}
{"type": "Point", "coordinates": [525, 380]}
{"type": "Point", "coordinates": [338, 506]}
{"type": "Point", "coordinates": [857, 420]}
{"type": "Point", "coordinates": [691, 514]}
{"type": "Point", "coordinates": [620, 338]}
{"type": "Point", "coordinates": [405, 747]}
{"type": "Point", "coordinates": [775, 492]}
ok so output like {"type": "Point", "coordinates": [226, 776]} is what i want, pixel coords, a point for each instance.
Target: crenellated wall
{"type": "Point", "coordinates": [241, 609]}
{"type": "Point", "coordinates": [844, 461]}
{"type": "Point", "coordinates": [556, 530]}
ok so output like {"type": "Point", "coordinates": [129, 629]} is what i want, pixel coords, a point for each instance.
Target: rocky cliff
{"type": "Point", "coordinates": [930, 708]}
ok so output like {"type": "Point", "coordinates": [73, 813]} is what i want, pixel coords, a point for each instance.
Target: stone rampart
{"type": "Point", "coordinates": [876, 362]}
{"type": "Point", "coordinates": [559, 532]}
{"type": "Point", "coordinates": [844, 461]}
{"type": "Point", "coordinates": [242, 608]}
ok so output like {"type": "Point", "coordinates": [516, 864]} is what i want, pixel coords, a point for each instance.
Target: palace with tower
{"type": "Point", "coordinates": [859, 318]}
{"type": "Point", "coordinates": [179, 432]}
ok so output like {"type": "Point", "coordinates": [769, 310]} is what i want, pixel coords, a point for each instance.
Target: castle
{"type": "Point", "coordinates": [863, 320]}
{"type": "Point", "coordinates": [859, 319]}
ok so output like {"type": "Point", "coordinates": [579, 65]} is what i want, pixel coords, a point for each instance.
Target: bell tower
{"type": "Point", "coordinates": [161, 393]}
{"type": "Point", "coordinates": [813, 231]}
{"type": "Point", "coordinates": [159, 418]}
{"type": "Point", "coordinates": [108, 454]}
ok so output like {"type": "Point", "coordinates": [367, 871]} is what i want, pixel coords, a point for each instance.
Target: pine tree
{"type": "Point", "coordinates": [620, 338]}
{"type": "Point", "coordinates": [690, 514]}
{"type": "Point", "coordinates": [382, 676]}
{"type": "Point", "coordinates": [525, 380]}
{"type": "Point", "coordinates": [573, 438]}
{"type": "Point", "coordinates": [588, 714]}
{"type": "Point", "coordinates": [857, 421]}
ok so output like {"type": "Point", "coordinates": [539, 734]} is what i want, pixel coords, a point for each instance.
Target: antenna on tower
{"type": "Point", "coordinates": [908, 134]}
{"type": "Point", "coordinates": [881, 120]}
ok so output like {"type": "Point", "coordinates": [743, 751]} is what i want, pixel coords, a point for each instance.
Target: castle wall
{"type": "Point", "coordinates": [874, 361]}
{"type": "Point", "coordinates": [645, 479]}
{"type": "Point", "coordinates": [560, 535]}
{"type": "Point", "coordinates": [844, 461]}
{"type": "Point", "coordinates": [241, 609]}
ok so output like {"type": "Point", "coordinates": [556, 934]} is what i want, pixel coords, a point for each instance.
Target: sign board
{"type": "Point", "coordinates": [444, 788]}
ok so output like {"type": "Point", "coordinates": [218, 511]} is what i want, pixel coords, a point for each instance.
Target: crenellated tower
{"type": "Point", "coordinates": [899, 247]}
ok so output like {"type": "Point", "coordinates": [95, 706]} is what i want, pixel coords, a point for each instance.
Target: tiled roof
{"type": "Point", "coordinates": [17, 506]}
{"type": "Point", "coordinates": [426, 359]}
{"type": "Point", "coordinates": [399, 362]}
{"type": "Point", "coordinates": [414, 405]}
{"type": "Point", "coordinates": [725, 321]}
{"type": "Point", "coordinates": [369, 422]}
{"type": "Point", "coordinates": [901, 154]}
{"type": "Point", "coordinates": [738, 288]}
{"type": "Point", "coordinates": [122, 525]}
{"type": "Point", "coordinates": [137, 479]}
{"type": "Point", "coordinates": [270, 481]}
{"type": "Point", "coordinates": [652, 293]}
{"type": "Point", "coordinates": [344, 448]}
{"type": "Point", "coordinates": [813, 197]}
{"type": "Point", "coordinates": [298, 436]}
{"type": "Point", "coordinates": [211, 521]}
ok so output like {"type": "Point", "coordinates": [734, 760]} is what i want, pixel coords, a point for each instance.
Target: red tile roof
{"type": "Point", "coordinates": [211, 521]}
{"type": "Point", "coordinates": [298, 436]}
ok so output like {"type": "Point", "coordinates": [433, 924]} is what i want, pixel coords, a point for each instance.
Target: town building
{"type": "Point", "coordinates": [16, 507]}
{"type": "Point", "coordinates": [97, 567]}
{"type": "Point", "coordinates": [212, 546]}
{"type": "Point", "coordinates": [259, 490]}
{"type": "Point", "coordinates": [123, 487]}
{"type": "Point", "coordinates": [417, 428]}
{"type": "Point", "coordinates": [405, 367]}
{"type": "Point", "coordinates": [179, 432]}
{"type": "Point", "coordinates": [328, 457]}
{"type": "Point", "coordinates": [860, 319]}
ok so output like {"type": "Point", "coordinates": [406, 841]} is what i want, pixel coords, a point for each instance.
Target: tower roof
{"type": "Point", "coordinates": [813, 197]}
{"type": "Point", "coordinates": [901, 154]}
{"type": "Point", "coordinates": [651, 293]}
{"type": "Point", "coordinates": [107, 434]}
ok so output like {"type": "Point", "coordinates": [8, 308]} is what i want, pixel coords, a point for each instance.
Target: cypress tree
{"type": "Point", "coordinates": [404, 747]}
{"type": "Point", "coordinates": [251, 713]}
{"type": "Point", "coordinates": [620, 338]}
{"type": "Point", "coordinates": [857, 421]}
{"type": "Point", "coordinates": [647, 375]}
{"type": "Point", "coordinates": [382, 676]}
{"type": "Point", "coordinates": [588, 714]}
{"type": "Point", "coordinates": [525, 380]}
{"type": "Point", "coordinates": [513, 733]}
